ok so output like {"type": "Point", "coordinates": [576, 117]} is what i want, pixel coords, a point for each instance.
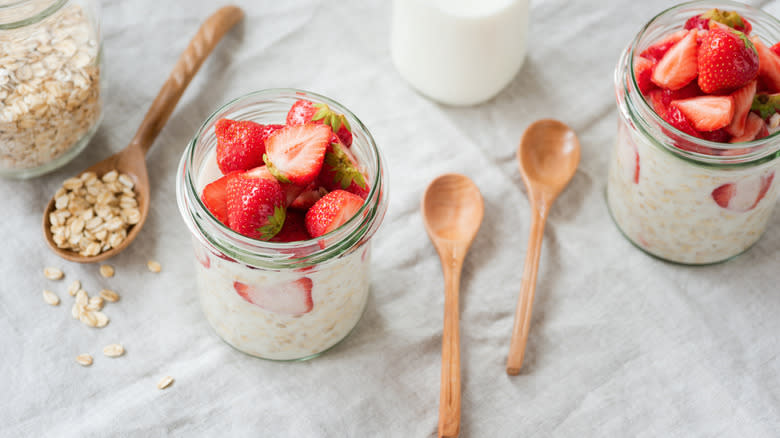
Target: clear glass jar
{"type": "Point", "coordinates": [310, 294]}
{"type": "Point", "coordinates": [50, 85]}
{"type": "Point", "coordinates": [663, 183]}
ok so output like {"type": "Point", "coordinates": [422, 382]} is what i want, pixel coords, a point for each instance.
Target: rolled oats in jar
{"type": "Point", "coordinates": [50, 58]}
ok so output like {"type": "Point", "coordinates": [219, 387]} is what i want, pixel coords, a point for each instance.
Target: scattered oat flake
{"type": "Point", "coordinates": [84, 359]}
{"type": "Point", "coordinates": [82, 298]}
{"type": "Point", "coordinates": [53, 273]}
{"type": "Point", "coordinates": [107, 271]}
{"type": "Point", "coordinates": [88, 318]}
{"type": "Point", "coordinates": [153, 266]}
{"type": "Point", "coordinates": [109, 295]}
{"type": "Point", "coordinates": [74, 287]}
{"type": "Point", "coordinates": [113, 350]}
{"type": "Point", "coordinates": [51, 298]}
{"type": "Point", "coordinates": [165, 382]}
{"type": "Point", "coordinates": [74, 311]}
{"type": "Point", "coordinates": [102, 319]}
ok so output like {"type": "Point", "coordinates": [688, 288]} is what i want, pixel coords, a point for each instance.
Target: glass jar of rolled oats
{"type": "Point", "coordinates": [50, 62]}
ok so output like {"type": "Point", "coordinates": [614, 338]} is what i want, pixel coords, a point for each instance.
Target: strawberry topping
{"type": "Point", "coordinates": [678, 66]}
{"type": "Point", "coordinates": [255, 204]}
{"type": "Point", "coordinates": [294, 154]}
{"type": "Point", "coordinates": [727, 61]}
{"type": "Point", "coordinates": [241, 144]}
{"type": "Point", "coordinates": [332, 211]}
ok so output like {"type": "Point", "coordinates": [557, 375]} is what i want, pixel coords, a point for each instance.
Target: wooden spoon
{"type": "Point", "coordinates": [452, 209]}
{"type": "Point", "coordinates": [131, 160]}
{"type": "Point", "coordinates": [547, 156]}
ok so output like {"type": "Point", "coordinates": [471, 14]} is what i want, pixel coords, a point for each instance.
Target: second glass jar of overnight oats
{"type": "Point", "coordinates": [678, 197]}
{"type": "Point", "coordinates": [279, 301]}
{"type": "Point", "coordinates": [50, 83]}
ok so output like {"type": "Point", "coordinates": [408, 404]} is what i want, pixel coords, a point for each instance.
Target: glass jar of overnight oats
{"type": "Point", "coordinates": [50, 85]}
{"type": "Point", "coordinates": [678, 197]}
{"type": "Point", "coordinates": [280, 301]}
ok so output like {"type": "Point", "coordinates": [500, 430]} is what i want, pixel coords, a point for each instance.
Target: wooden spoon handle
{"type": "Point", "coordinates": [527, 287]}
{"type": "Point", "coordinates": [449, 398]}
{"type": "Point", "coordinates": [201, 45]}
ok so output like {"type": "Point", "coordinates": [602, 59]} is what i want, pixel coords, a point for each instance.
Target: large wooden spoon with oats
{"type": "Point", "coordinates": [131, 161]}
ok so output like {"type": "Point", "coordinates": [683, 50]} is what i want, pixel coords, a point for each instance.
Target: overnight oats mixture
{"type": "Point", "coordinates": [688, 192]}
{"type": "Point", "coordinates": [286, 183]}
{"type": "Point", "coordinates": [49, 88]}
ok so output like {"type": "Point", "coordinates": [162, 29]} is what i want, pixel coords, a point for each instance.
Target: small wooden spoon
{"type": "Point", "coordinates": [548, 156]}
{"type": "Point", "coordinates": [452, 209]}
{"type": "Point", "coordinates": [131, 160]}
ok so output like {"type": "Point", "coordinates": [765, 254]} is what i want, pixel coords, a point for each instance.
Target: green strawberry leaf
{"type": "Point", "coordinates": [344, 172]}
{"type": "Point", "coordinates": [274, 225]}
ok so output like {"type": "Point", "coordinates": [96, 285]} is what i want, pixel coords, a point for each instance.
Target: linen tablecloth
{"type": "Point", "coordinates": [621, 344]}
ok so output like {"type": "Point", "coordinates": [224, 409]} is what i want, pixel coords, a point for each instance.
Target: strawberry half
{"type": "Point", "coordinates": [753, 128]}
{"type": "Point", "coordinates": [241, 144]}
{"type": "Point", "coordinates": [255, 204]}
{"type": "Point", "coordinates": [332, 211]}
{"type": "Point", "coordinates": [294, 154]}
{"type": "Point", "coordinates": [309, 196]}
{"type": "Point", "coordinates": [768, 66]}
{"type": "Point", "coordinates": [727, 60]}
{"type": "Point", "coordinates": [729, 18]}
{"type": "Point", "coordinates": [340, 171]}
{"type": "Point", "coordinates": [678, 66]}
{"type": "Point", "coordinates": [743, 100]}
{"type": "Point", "coordinates": [214, 197]}
{"type": "Point", "coordinates": [293, 298]}
{"type": "Point", "coordinates": [643, 71]}
{"type": "Point", "coordinates": [304, 111]}
{"type": "Point", "coordinates": [294, 229]}
{"type": "Point", "coordinates": [707, 113]}
{"type": "Point", "coordinates": [743, 195]}
{"type": "Point", "coordinates": [657, 51]}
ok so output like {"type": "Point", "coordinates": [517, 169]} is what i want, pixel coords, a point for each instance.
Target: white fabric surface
{"type": "Point", "coordinates": [621, 344]}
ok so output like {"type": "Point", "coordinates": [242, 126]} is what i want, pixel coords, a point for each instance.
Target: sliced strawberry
{"type": "Point", "coordinates": [643, 71]}
{"type": "Point", "coordinates": [707, 113]}
{"type": "Point", "coordinates": [294, 229]}
{"type": "Point", "coordinates": [255, 205]}
{"type": "Point", "coordinates": [341, 170]}
{"type": "Point", "coordinates": [727, 61]}
{"type": "Point", "coordinates": [304, 111]}
{"type": "Point", "coordinates": [214, 197]}
{"type": "Point", "coordinates": [728, 18]}
{"type": "Point", "coordinates": [753, 128]}
{"type": "Point", "coordinates": [294, 154]}
{"type": "Point", "coordinates": [332, 211]}
{"type": "Point", "coordinates": [657, 51]}
{"type": "Point", "coordinates": [768, 66]}
{"type": "Point", "coordinates": [678, 66]}
{"type": "Point", "coordinates": [676, 118]}
{"type": "Point", "coordinates": [743, 195]}
{"type": "Point", "coordinates": [743, 100]}
{"type": "Point", "coordinates": [292, 298]}
{"type": "Point", "coordinates": [241, 144]}
{"type": "Point", "coordinates": [776, 49]}
{"type": "Point", "coordinates": [309, 196]}
{"type": "Point", "coordinates": [718, 136]}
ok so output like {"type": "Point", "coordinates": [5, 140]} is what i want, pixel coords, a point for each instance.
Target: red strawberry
{"type": "Point", "coordinates": [294, 154]}
{"type": "Point", "coordinates": [743, 195]}
{"type": "Point", "coordinates": [776, 49]}
{"type": "Point", "coordinates": [729, 18]}
{"type": "Point", "coordinates": [753, 128]}
{"type": "Point", "coordinates": [707, 113]}
{"type": "Point", "coordinates": [743, 100]}
{"type": "Point", "coordinates": [727, 60]}
{"type": "Point", "coordinates": [332, 211]}
{"type": "Point", "coordinates": [304, 111]}
{"type": "Point", "coordinates": [768, 66]}
{"type": "Point", "coordinates": [241, 144]}
{"type": "Point", "coordinates": [309, 196]}
{"type": "Point", "coordinates": [293, 298]}
{"type": "Point", "coordinates": [214, 197]}
{"type": "Point", "coordinates": [657, 51]}
{"type": "Point", "coordinates": [676, 118]}
{"type": "Point", "coordinates": [294, 229]}
{"type": "Point", "coordinates": [291, 191]}
{"type": "Point", "coordinates": [678, 66]}
{"type": "Point", "coordinates": [255, 205]}
{"type": "Point", "coordinates": [341, 171]}
{"type": "Point", "coordinates": [643, 71]}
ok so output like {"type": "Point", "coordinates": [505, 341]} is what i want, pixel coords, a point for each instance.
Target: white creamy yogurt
{"type": "Point", "coordinates": [666, 205]}
{"type": "Point", "coordinates": [459, 52]}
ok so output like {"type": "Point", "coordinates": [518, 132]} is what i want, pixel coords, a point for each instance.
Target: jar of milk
{"type": "Point", "coordinates": [459, 52]}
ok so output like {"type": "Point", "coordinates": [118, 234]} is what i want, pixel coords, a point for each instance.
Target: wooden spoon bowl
{"type": "Point", "coordinates": [131, 160]}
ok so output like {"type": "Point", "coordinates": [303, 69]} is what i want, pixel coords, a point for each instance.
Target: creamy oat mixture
{"type": "Point", "coordinates": [666, 206]}
{"type": "Point", "coordinates": [339, 291]}
{"type": "Point", "coordinates": [49, 88]}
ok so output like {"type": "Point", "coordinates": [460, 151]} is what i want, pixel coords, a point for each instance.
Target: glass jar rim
{"type": "Point", "coordinates": [34, 16]}
{"type": "Point", "coordinates": [340, 241]}
{"type": "Point", "coordinates": [757, 150]}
